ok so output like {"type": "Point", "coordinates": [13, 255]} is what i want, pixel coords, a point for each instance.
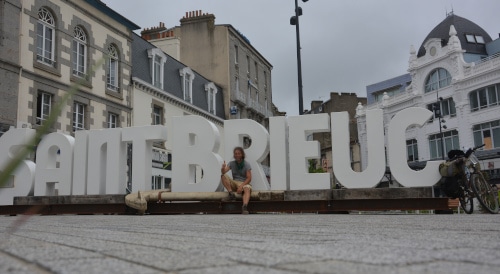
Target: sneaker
{"type": "Point", "coordinates": [230, 198]}
{"type": "Point", "coordinates": [244, 209]}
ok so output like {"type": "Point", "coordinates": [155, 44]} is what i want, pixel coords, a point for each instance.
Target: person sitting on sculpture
{"type": "Point", "coordinates": [242, 177]}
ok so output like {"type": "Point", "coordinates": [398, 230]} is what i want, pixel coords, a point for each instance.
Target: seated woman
{"type": "Point", "coordinates": [242, 176]}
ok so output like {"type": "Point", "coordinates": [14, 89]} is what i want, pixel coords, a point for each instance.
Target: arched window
{"type": "Point", "coordinates": [79, 52]}
{"type": "Point", "coordinates": [45, 31]}
{"type": "Point", "coordinates": [112, 77]}
{"type": "Point", "coordinates": [438, 78]}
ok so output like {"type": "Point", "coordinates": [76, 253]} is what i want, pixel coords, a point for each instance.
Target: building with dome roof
{"type": "Point", "coordinates": [456, 74]}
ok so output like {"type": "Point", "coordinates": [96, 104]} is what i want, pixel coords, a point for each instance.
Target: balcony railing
{"type": "Point", "coordinates": [483, 65]}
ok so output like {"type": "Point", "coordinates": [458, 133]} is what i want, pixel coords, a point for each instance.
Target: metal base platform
{"type": "Point", "coordinates": [298, 201]}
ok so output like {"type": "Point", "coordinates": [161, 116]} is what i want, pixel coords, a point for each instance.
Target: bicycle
{"type": "Point", "coordinates": [466, 170]}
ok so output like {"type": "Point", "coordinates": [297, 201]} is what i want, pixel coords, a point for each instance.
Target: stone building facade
{"type": "Point", "coordinates": [49, 47]}
{"type": "Point", "coordinates": [223, 54]}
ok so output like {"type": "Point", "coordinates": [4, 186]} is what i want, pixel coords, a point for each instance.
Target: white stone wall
{"type": "Point", "coordinates": [466, 77]}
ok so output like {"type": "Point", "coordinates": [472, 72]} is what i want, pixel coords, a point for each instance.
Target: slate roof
{"type": "Point", "coordinates": [141, 69]}
{"type": "Point", "coordinates": [463, 26]}
{"type": "Point", "coordinates": [401, 81]}
{"type": "Point", "coordinates": [113, 14]}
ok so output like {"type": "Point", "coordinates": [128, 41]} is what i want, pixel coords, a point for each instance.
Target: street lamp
{"type": "Point", "coordinates": [437, 111]}
{"type": "Point", "coordinates": [294, 21]}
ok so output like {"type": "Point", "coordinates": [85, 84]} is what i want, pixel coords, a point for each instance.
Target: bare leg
{"type": "Point", "coordinates": [246, 195]}
{"type": "Point", "coordinates": [226, 184]}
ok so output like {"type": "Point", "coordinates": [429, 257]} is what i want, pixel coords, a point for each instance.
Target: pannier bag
{"type": "Point", "coordinates": [450, 169]}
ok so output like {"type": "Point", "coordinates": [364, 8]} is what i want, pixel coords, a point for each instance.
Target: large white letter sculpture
{"type": "Point", "coordinates": [107, 160]}
{"type": "Point", "coordinates": [397, 150]}
{"type": "Point", "coordinates": [24, 175]}
{"type": "Point", "coordinates": [195, 143]}
{"type": "Point", "coordinates": [341, 156]}
{"type": "Point", "coordinates": [302, 150]}
{"type": "Point", "coordinates": [235, 130]}
{"type": "Point", "coordinates": [80, 153]}
{"type": "Point", "coordinates": [50, 177]}
{"type": "Point", "coordinates": [142, 139]}
{"type": "Point", "coordinates": [279, 153]}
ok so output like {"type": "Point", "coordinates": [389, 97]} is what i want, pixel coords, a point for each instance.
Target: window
{"type": "Point", "coordinates": [411, 150]}
{"type": "Point", "coordinates": [256, 72]}
{"type": "Point", "coordinates": [450, 140]}
{"type": "Point", "coordinates": [112, 120]}
{"type": "Point", "coordinates": [157, 115]}
{"type": "Point", "coordinates": [248, 64]}
{"type": "Point", "coordinates": [249, 91]}
{"type": "Point", "coordinates": [158, 60]}
{"type": "Point", "coordinates": [487, 134]}
{"type": "Point", "coordinates": [43, 106]}
{"type": "Point", "coordinates": [236, 54]}
{"type": "Point", "coordinates": [484, 97]}
{"type": "Point", "coordinates": [392, 91]}
{"type": "Point", "coordinates": [187, 76]}
{"type": "Point", "coordinates": [78, 116]}
{"type": "Point", "coordinates": [156, 182]}
{"type": "Point", "coordinates": [157, 72]}
{"type": "Point", "coordinates": [112, 77]}
{"type": "Point", "coordinates": [471, 38]}
{"type": "Point", "coordinates": [45, 37]}
{"type": "Point", "coordinates": [211, 91]}
{"type": "Point", "coordinates": [187, 87]}
{"type": "Point", "coordinates": [444, 108]}
{"type": "Point", "coordinates": [79, 52]}
{"type": "Point", "coordinates": [265, 81]}
{"type": "Point", "coordinates": [479, 39]}
{"type": "Point", "coordinates": [438, 78]}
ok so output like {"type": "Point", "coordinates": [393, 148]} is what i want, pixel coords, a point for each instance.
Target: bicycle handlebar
{"type": "Point", "coordinates": [470, 150]}
{"type": "Point", "coordinates": [480, 146]}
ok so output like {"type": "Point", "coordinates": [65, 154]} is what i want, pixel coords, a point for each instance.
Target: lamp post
{"type": "Point", "coordinates": [294, 21]}
{"type": "Point", "coordinates": [437, 108]}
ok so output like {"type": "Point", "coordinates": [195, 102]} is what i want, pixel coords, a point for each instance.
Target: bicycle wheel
{"type": "Point", "coordinates": [484, 193]}
{"type": "Point", "coordinates": [467, 203]}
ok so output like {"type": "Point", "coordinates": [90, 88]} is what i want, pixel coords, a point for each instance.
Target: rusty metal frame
{"type": "Point", "coordinates": [216, 207]}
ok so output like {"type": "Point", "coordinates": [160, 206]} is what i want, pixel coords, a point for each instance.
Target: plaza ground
{"type": "Point", "coordinates": [255, 243]}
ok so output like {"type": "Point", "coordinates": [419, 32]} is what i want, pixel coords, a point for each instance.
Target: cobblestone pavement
{"type": "Point", "coordinates": [255, 243]}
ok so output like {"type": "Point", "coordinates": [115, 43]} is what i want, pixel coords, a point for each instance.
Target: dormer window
{"type": "Point", "coordinates": [187, 77]}
{"type": "Point", "coordinates": [157, 60]}
{"type": "Point", "coordinates": [211, 91]}
{"type": "Point", "coordinates": [476, 39]}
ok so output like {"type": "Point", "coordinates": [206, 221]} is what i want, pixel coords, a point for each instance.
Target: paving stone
{"type": "Point", "coordinates": [255, 243]}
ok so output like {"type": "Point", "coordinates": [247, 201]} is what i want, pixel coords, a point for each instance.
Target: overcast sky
{"type": "Point", "coordinates": [346, 44]}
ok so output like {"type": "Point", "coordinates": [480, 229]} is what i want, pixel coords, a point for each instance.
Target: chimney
{"type": "Point", "coordinates": [315, 104]}
{"type": "Point", "coordinates": [154, 32]}
{"type": "Point", "coordinates": [197, 16]}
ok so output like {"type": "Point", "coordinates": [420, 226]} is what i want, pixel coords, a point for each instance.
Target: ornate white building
{"type": "Point", "coordinates": [456, 74]}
